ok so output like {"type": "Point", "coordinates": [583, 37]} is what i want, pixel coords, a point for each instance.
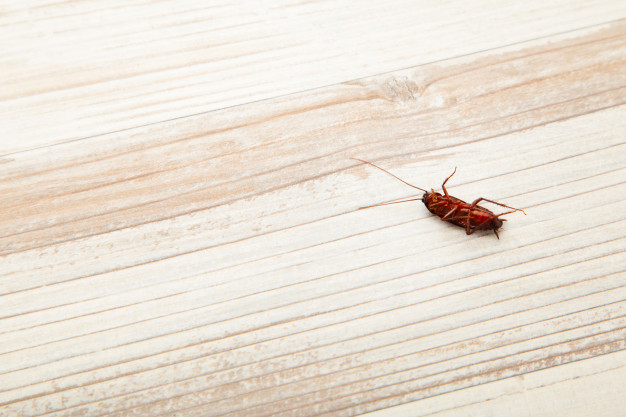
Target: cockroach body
{"type": "Point", "coordinates": [472, 217]}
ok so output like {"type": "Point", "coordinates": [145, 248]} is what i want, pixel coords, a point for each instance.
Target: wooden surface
{"type": "Point", "coordinates": [179, 223]}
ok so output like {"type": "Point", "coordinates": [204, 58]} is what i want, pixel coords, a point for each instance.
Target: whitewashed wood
{"type": "Point", "coordinates": [71, 70]}
{"type": "Point", "coordinates": [577, 389]}
{"type": "Point", "coordinates": [218, 264]}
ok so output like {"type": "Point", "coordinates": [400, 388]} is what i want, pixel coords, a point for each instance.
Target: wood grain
{"type": "Point", "coordinates": [72, 70]}
{"type": "Point", "coordinates": [218, 263]}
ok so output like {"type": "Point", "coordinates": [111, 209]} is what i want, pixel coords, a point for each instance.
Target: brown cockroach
{"type": "Point", "coordinates": [454, 210]}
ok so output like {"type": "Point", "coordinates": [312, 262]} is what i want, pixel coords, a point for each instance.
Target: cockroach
{"type": "Point", "coordinates": [472, 217]}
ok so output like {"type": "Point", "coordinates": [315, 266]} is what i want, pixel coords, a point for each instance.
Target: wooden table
{"type": "Point", "coordinates": [180, 232]}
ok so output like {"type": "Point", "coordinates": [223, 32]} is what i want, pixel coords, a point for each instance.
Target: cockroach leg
{"type": "Point", "coordinates": [478, 200]}
{"type": "Point", "coordinates": [443, 186]}
{"type": "Point", "coordinates": [448, 214]}
{"type": "Point", "coordinates": [509, 212]}
{"type": "Point", "coordinates": [439, 203]}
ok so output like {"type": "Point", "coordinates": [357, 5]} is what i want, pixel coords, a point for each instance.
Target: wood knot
{"type": "Point", "coordinates": [400, 89]}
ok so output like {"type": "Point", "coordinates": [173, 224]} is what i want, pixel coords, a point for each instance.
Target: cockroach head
{"type": "Point", "coordinates": [428, 195]}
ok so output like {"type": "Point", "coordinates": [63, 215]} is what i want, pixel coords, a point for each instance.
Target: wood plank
{"type": "Point", "coordinates": [572, 389]}
{"type": "Point", "coordinates": [80, 69]}
{"type": "Point", "coordinates": [219, 264]}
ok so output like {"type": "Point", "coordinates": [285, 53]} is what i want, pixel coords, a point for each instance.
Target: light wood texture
{"type": "Point", "coordinates": [180, 231]}
{"type": "Point", "coordinates": [72, 70]}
